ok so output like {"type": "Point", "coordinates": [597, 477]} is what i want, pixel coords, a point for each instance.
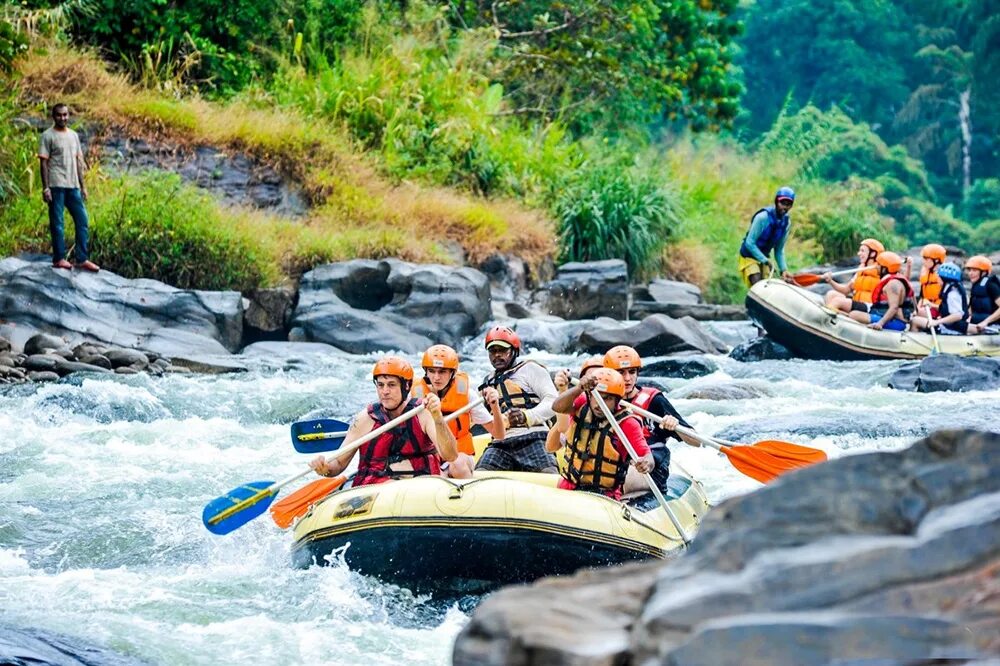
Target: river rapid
{"type": "Point", "coordinates": [103, 480]}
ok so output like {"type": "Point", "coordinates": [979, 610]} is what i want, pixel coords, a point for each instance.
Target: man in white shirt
{"type": "Point", "coordinates": [525, 393]}
{"type": "Point", "coordinates": [61, 162]}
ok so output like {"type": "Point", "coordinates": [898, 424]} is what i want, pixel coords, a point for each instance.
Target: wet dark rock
{"type": "Point", "coordinates": [685, 368]}
{"type": "Point", "coordinates": [516, 310]}
{"type": "Point", "coordinates": [88, 349]}
{"type": "Point", "coordinates": [43, 376]}
{"type": "Point", "coordinates": [65, 367]}
{"type": "Point", "coordinates": [668, 291]}
{"type": "Point", "coordinates": [98, 360]}
{"type": "Point", "coordinates": [113, 310]}
{"type": "Point", "coordinates": [269, 312]}
{"type": "Point", "coordinates": [126, 370]}
{"type": "Point", "coordinates": [883, 557]}
{"type": "Point", "coordinates": [761, 349]}
{"type": "Point", "coordinates": [947, 372]}
{"type": "Point", "coordinates": [7, 360]}
{"type": "Point", "coordinates": [656, 335]}
{"type": "Point", "coordinates": [582, 290]}
{"type": "Point", "coordinates": [40, 343]}
{"type": "Point", "coordinates": [507, 274]}
{"type": "Point", "coordinates": [208, 364]}
{"type": "Point", "coordinates": [41, 362]}
{"type": "Point", "coordinates": [35, 647]}
{"type": "Point", "coordinates": [364, 305]}
{"type": "Point", "coordinates": [127, 357]}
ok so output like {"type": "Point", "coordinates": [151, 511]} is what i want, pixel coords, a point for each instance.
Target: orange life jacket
{"type": "Point", "coordinates": [931, 285]}
{"type": "Point", "coordinates": [456, 397]}
{"type": "Point", "coordinates": [864, 284]}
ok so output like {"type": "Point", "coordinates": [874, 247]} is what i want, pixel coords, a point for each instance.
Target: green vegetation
{"type": "Point", "coordinates": [577, 129]}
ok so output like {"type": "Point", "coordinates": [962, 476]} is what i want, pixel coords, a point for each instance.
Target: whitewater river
{"type": "Point", "coordinates": [103, 480]}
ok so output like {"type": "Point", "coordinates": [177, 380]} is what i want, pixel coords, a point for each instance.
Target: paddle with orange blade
{"type": "Point", "coordinates": [782, 449]}
{"type": "Point", "coordinates": [244, 503]}
{"type": "Point", "coordinates": [298, 503]}
{"type": "Point", "coordinates": [809, 279]}
{"type": "Point", "coordinates": [764, 465]}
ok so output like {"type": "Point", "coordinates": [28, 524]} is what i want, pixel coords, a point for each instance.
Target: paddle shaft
{"type": "Point", "coordinates": [278, 485]}
{"type": "Point", "coordinates": [635, 456]}
{"type": "Point", "coordinates": [300, 505]}
{"type": "Point", "coordinates": [930, 320]}
{"type": "Point", "coordinates": [354, 446]}
{"type": "Point", "coordinates": [681, 429]}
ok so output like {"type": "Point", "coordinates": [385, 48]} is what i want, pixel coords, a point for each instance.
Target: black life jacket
{"type": "Point", "coordinates": [950, 286]}
{"type": "Point", "coordinates": [512, 396]}
{"type": "Point", "coordinates": [592, 460]}
{"type": "Point", "coordinates": [774, 231]}
{"type": "Point", "coordinates": [980, 304]}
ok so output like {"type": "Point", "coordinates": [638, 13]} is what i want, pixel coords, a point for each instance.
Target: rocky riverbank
{"type": "Point", "coordinates": [55, 322]}
{"type": "Point", "coordinates": [875, 558]}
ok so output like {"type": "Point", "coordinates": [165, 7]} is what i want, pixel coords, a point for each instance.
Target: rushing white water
{"type": "Point", "coordinates": [103, 479]}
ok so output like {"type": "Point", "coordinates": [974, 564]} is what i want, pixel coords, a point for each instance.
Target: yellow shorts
{"type": "Point", "coordinates": [751, 266]}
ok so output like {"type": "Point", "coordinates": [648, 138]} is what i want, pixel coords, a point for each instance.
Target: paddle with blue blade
{"type": "Point", "coordinates": [318, 435]}
{"type": "Point", "coordinates": [244, 503]}
{"type": "Point", "coordinates": [288, 509]}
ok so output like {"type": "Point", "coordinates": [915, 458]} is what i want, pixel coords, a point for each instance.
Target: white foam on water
{"type": "Point", "coordinates": [103, 481]}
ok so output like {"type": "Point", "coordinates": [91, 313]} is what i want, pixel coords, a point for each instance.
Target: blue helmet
{"type": "Point", "coordinates": [785, 193]}
{"type": "Point", "coordinates": [950, 271]}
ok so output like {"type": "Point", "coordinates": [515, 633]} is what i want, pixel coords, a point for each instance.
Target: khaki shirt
{"type": "Point", "coordinates": [64, 154]}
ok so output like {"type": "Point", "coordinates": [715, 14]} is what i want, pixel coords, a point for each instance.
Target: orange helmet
{"type": "Point", "coordinates": [610, 382]}
{"type": "Point", "coordinates": [592, 362]}
{"type": "Point", "coordinates": [503, 336]}
{"type": "Point", "coordinates": [873, 244]}
{"type": "Point", "coordinates": [440, 356]}
{"type": "Point", "coordinates": [892, 261]}
{"type": "Point", "coordinates": [980, 262]}
{"type": "Point", "coordinates": [621, 357]}
{"type": "Point", "coordinates": [393, 366]}
{"type": "Point", "coordinates": [934, 251]}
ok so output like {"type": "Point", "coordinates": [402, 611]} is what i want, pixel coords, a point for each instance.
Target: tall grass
{"type": "Point", "coordinates": [608, 213]}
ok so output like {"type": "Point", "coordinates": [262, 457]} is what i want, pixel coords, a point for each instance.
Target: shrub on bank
{"type": "Point", "coordinates": [153, 226]}
{"type": "Point", "coordinates": [608, 213]}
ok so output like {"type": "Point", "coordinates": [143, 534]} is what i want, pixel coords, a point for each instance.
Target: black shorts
{"type": "Point", "coordinates": [858, 306]}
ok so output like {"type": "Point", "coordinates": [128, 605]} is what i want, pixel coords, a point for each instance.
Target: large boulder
{"type": "Point", "coordinates": [884, 557]}
{"type": "Point", "coordinates": [365, 305]}
{"type": "Point", "coordinates": [685, 368]}
{"type": "Point", "coordinates": [761, 349]}
{"type": "Point", "coordinates": [38, 647]}
{"type": "Point", "coordinates": [947, 372]}
{"type": "Point", "coordinates": [551, 334]}
{"type": "Point", "coordinates": [582, 290]}
{"type": "Point", "coordinates": [656, 335]}
{"type": "Point", "coordinates": [142, 314]}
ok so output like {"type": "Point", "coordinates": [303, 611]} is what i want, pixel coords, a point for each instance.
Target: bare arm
{"type": "Point", "coordinates": [563, 404]}
{"type": "Point", "coordinates": [432, 421]}
{"type": "Point", "coordinates": [895, 293]}
{"type": "Point", "coordinates": [333, 465]}
{"type": "Point", "coordinates": [553, 441]}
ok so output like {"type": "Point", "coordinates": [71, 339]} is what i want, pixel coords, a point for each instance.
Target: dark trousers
{"type": "Point", "coordinates": [63, 199]}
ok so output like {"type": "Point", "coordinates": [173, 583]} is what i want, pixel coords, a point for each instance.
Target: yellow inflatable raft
{"type": "Point", "coordinates": [799, 320]}
{"type": "Point", "coordinates": [471, 536]}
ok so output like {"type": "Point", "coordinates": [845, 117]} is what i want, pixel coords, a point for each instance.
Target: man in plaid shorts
{"type": "Point", "coordinates": [525, 393]}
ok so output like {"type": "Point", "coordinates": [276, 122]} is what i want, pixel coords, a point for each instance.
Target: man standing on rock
{"type": "Point", "coordinates": [768, 232]}
{"type": "Point", "coordinates": [61, 163]}
{"type": "Point", "coordinates": [525, 393]}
